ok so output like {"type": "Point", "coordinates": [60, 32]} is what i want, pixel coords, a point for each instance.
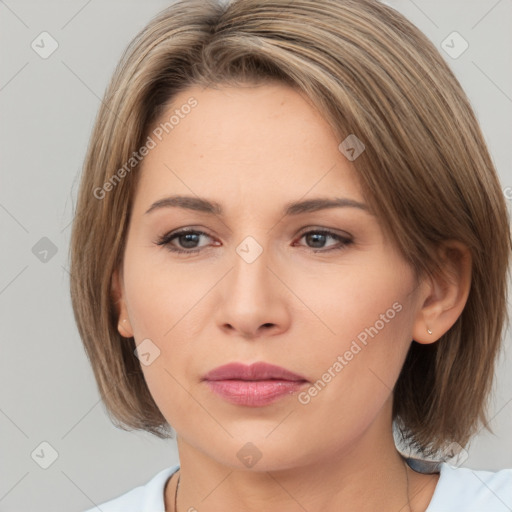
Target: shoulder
{"type": "Point", "coordinates": [145, 498]}
{"type": "Point", "coordinates": [471, 490]}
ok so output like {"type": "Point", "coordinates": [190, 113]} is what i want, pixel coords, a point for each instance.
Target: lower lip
{"type": "Point", "coordinates": [254, 393]}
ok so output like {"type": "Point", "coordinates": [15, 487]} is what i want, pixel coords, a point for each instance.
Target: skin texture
{"type": "Point", "coordinates": [253, 149]}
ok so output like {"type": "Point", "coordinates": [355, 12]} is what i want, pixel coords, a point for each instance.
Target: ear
{"type": "Point", "coordinates": [446, 293]}
{"type": "Point", "coordinates": [123, 326]}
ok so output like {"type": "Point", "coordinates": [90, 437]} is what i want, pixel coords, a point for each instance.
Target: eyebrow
{"type": "Point", "coordinates": [292, 208]}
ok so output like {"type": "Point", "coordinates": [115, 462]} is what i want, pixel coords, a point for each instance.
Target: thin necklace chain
{"type": "Point", "coordinates": [406, 475]}
{"type": "Point", "coordinates": [176, 494]}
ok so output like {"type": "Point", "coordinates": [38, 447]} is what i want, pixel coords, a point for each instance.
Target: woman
{"type": "Point", "coordinates": [290, 239]}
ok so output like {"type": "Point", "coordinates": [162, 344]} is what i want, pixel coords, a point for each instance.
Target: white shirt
{"type": "Point", "coordinates": [457, 490]}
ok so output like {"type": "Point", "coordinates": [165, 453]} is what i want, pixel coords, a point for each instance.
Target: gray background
{"type": "Point", "coordinates": [48, 106]}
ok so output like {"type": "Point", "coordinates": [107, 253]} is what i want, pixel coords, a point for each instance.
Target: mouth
{"type": "Point", "coordinates": [253, 385]}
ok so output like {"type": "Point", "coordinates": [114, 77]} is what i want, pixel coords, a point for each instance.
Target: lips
{"type": "Point", "coordinates": [253, 372]}
{"type": "Point", "coordinates": [255, 385]}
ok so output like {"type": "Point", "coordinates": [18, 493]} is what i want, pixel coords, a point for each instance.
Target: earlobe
{"type": "Point", "coordinates": [125, 329]}
{"type": "Point", "coordinates": [446, 294]}
{"type": "Point", "coordinates": [123, 326]}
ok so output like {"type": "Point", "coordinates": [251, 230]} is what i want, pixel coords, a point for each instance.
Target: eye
{"type": "Point", "coordinates": [319, 237]}
{"type": "Point", "coordinates": [187, 238]}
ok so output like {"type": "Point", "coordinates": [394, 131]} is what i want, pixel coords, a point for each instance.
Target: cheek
{"type": "Point", "coordinates": [159, 295]}
{"type": "Point", "coordinates": [370, 314]}
{"type": "Point", "coordinates": [354, 381]}
{"type": "Point", "coordinates": [163, 306]}
{"type": "Point", "coordinates": [158, 303]}
{"type": "Point", "coordinates": [369, 297]}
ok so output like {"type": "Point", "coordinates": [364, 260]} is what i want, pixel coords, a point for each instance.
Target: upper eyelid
{"type": "Point", "coordinates": [303, 232]}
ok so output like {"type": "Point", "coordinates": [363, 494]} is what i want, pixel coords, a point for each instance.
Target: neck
{"type": "Point", "coordinates": [368, 475]}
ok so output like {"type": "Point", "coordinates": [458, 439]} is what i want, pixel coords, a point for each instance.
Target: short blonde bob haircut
{"type": "Point", "coordinates": [425, 171]}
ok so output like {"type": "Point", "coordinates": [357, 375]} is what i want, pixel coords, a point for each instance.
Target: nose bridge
{"type": "Point", "coordinates": [250, 250]}
{"type": "Point", "coordinates": [250, 264]}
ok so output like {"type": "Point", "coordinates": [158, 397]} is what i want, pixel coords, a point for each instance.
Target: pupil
{"type": "Point", "coordinates": [317, 237]}
{"type": "Point", "coordinates": [189, 242]}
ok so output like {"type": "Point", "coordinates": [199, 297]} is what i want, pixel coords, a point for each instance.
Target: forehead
{"type": "Point", "coordinates": [252, 141]}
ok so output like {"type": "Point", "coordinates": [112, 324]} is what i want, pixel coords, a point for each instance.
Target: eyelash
{"type": "Point", "coordinates": [166, 240]}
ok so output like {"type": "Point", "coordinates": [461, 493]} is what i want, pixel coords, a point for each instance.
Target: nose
{"type": "Point", "coordinates": [253, 300]}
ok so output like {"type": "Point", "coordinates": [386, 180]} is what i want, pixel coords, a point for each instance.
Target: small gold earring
{"type": "Point", "coordinates": [429, 331]}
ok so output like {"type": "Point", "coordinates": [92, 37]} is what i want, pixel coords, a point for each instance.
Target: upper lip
{"type": "Point", "coordinates": [255, 371]}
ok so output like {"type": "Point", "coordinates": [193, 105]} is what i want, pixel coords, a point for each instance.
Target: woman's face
{"type": "Point", "coordinates": [318, 291]}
